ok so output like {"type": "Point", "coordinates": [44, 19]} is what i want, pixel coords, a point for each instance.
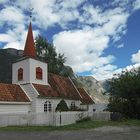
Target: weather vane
{"type": "Point", "coordinates": [31, 11]}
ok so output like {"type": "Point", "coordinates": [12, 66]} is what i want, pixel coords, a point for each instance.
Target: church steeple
{"type": "Point", "coordinates": [29, 49]}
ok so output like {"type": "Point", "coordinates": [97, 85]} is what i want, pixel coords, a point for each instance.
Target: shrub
{"type": "Point", "coordinates": [62, 106]}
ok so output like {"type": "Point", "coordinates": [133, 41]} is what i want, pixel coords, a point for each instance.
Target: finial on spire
{"type": "Point", "coordinates": [31, 11]}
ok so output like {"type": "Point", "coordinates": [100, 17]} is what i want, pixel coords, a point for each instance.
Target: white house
{"type": "Point", "coordinates": [35, 93]}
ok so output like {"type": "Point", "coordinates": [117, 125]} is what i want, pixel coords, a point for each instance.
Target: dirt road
{"type": "Point", "coordinates": [102, 133]}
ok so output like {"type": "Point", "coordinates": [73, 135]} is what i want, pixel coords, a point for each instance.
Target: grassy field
{"type": "Point", "coordinates": [77, 126]}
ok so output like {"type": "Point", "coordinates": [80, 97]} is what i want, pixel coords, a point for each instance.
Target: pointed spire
{"type": "Point", "coordinates": [29, 49]}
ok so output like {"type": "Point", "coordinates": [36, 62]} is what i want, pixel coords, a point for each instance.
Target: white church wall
{"type": "Point", "coordinates": [14, 108]}
{"type": "Point", "coordinates": [77, 103]}
{"type": "Point", "coordinates": [40, 104]}
{"type": "Point", "coordinates": [99, 107]}
{"type": "Point", "coordinates": [24, 64]}
{"type": "Point", "coordinates": [33, 65]}
{"type": "Point", "coordinates": [54, 102]}
{"type": "Point", "coordinates": [90, 108]}
{"type": "Point", "coordinates": [84, 107]}
{"type": "Point", "coordinates": [29, 66]}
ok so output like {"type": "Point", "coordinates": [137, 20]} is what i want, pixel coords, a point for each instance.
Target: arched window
{"type": "Point", "coordinates": [47, 106]}
{"type": "Point", "coordinates": [38, 73]}
{"type": "Point", "coordinates": [20, 74]}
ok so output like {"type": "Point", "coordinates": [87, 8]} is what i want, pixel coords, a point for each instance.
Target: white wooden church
{"type": "Point", "coordinates": [34, 94]}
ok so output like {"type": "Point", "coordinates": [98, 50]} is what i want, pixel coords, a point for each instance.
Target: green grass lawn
{"type": "Point", "coordinates": [77, 126]}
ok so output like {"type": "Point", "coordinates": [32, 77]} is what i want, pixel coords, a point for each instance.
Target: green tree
{"type": "Point", "coordinates": [125, 94]}
{"type": "Point", "coordinates": [47, 53]}
{"type": "Point", "coordinates": [62, 106]}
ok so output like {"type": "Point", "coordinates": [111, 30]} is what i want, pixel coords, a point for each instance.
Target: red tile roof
{"type": "Point", "coordinates": [12, 93]}
{"type": "Point", "coordinates": [60, 87]}
{"type": "Point", "coordinates": [86, 99]}
{"type": "Point", "coordinates": [45, 90]}
{"type": "Point", "coordinates": [29, 49]}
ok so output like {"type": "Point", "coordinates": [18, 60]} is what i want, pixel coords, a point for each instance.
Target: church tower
{"type": "Point", "coordinates": [29, 69]}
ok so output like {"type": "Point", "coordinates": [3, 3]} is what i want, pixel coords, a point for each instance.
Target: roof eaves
{"type": "Point", "coordinates": [17, 103]}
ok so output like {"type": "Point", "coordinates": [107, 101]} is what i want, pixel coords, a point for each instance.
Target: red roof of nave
{"type": "Point", "coordinates": [12, 93]}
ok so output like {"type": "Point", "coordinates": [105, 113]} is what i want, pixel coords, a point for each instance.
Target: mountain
{"type": "Point", "coordinates": [94, 88]}
{"type": "Point", "coordinates": [105, 85]}
{"type": "Point", "coordinates": [7, 57]}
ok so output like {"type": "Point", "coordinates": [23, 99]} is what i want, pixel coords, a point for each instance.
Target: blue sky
{"type": "Point", "coordinates": [98, 37]}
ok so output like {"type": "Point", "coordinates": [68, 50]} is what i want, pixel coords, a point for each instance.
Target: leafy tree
{"type": "Point", "coordinates": [62, 106]}
{"type": "Point", "coordinates": [47, 53]}
{"type": "Point", "coordinates": [125, 94]}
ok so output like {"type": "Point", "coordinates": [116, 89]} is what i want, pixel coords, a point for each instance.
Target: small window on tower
{"type": "Point", "coordinates": [38, 73]}
{"type": "Point", "coordinates": [20, 74]}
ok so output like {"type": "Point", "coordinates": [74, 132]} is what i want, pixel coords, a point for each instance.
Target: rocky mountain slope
{"type": "Point", "coordinates": [7, 57]}
{"type": "Point", "coordinates": [94, 88]}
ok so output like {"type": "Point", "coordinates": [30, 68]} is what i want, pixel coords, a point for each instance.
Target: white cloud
{"type": "Point", "coordinates": [136, 5]}
{"type": "Point", "coordinates": [120, 46]}
{"type": "Point", "coordinates": [52, 12]}
{"type": "Point", "coordinates": [15, 30]}
{"type": "Point", "coordinates": [18, 42]}
{"type": "Point", "coordinates": [136, 57]}
{"type": "Point", "coordinates": [3, 1]}
{"type": "Point", "coordinates": [16, 45]}
{"type": "Point", "coordinates": [104, 72]}
{"type": "Point", "coordinates": [121, 2]}
{"type": "Point", "coordinates": [110, 71]}
{"type": "Point", "coordinates": [116, 24]}
{"type": "Point", "coordinates": [82, 48]}
{"type": "Point", "coordinates": [11, 15]}
{"type": "Point", "coordinates": [6, 38]}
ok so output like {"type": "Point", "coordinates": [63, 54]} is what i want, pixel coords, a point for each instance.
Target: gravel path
{"type": "Point", "coordinates": [102, 133]}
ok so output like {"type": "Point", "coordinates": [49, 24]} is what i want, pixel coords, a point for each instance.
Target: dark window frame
{"type": "Point", "coordinates": [47, 106]}
{"type": "Point", "coordinates": [39, 73]}
{"type": "Point", "coordinates": [20, 74]}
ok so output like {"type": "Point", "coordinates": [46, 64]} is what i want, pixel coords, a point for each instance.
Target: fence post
{"type": "Point", "coordinates": [60, 118]}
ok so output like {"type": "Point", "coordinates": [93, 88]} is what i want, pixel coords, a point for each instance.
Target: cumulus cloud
{"type": "Point", "coordinates": [136, 5]}
{"type": "Point", "coordinates": [6, 38]}
{"type": "Point", "coordinates": [136, 57]}
{"type": "Point", "coordinates": [109, 72]}
{"type": "Point", "coordinates": [14, 21]}
{"type": "Point", "coordinates": [18, 42]}
{"type": "Point", "coordinates": [82, 48]}
{"type": "Point", "coordinates": [52, 12]}
{"type": "Point", "coordinates": [104, 72]}
{"type": "Point", "coordinates": [11, 15]}
{"type": "Point", "coordinates": [120, 46]}
{"type": "Point", "coordinates": [3, 1]}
